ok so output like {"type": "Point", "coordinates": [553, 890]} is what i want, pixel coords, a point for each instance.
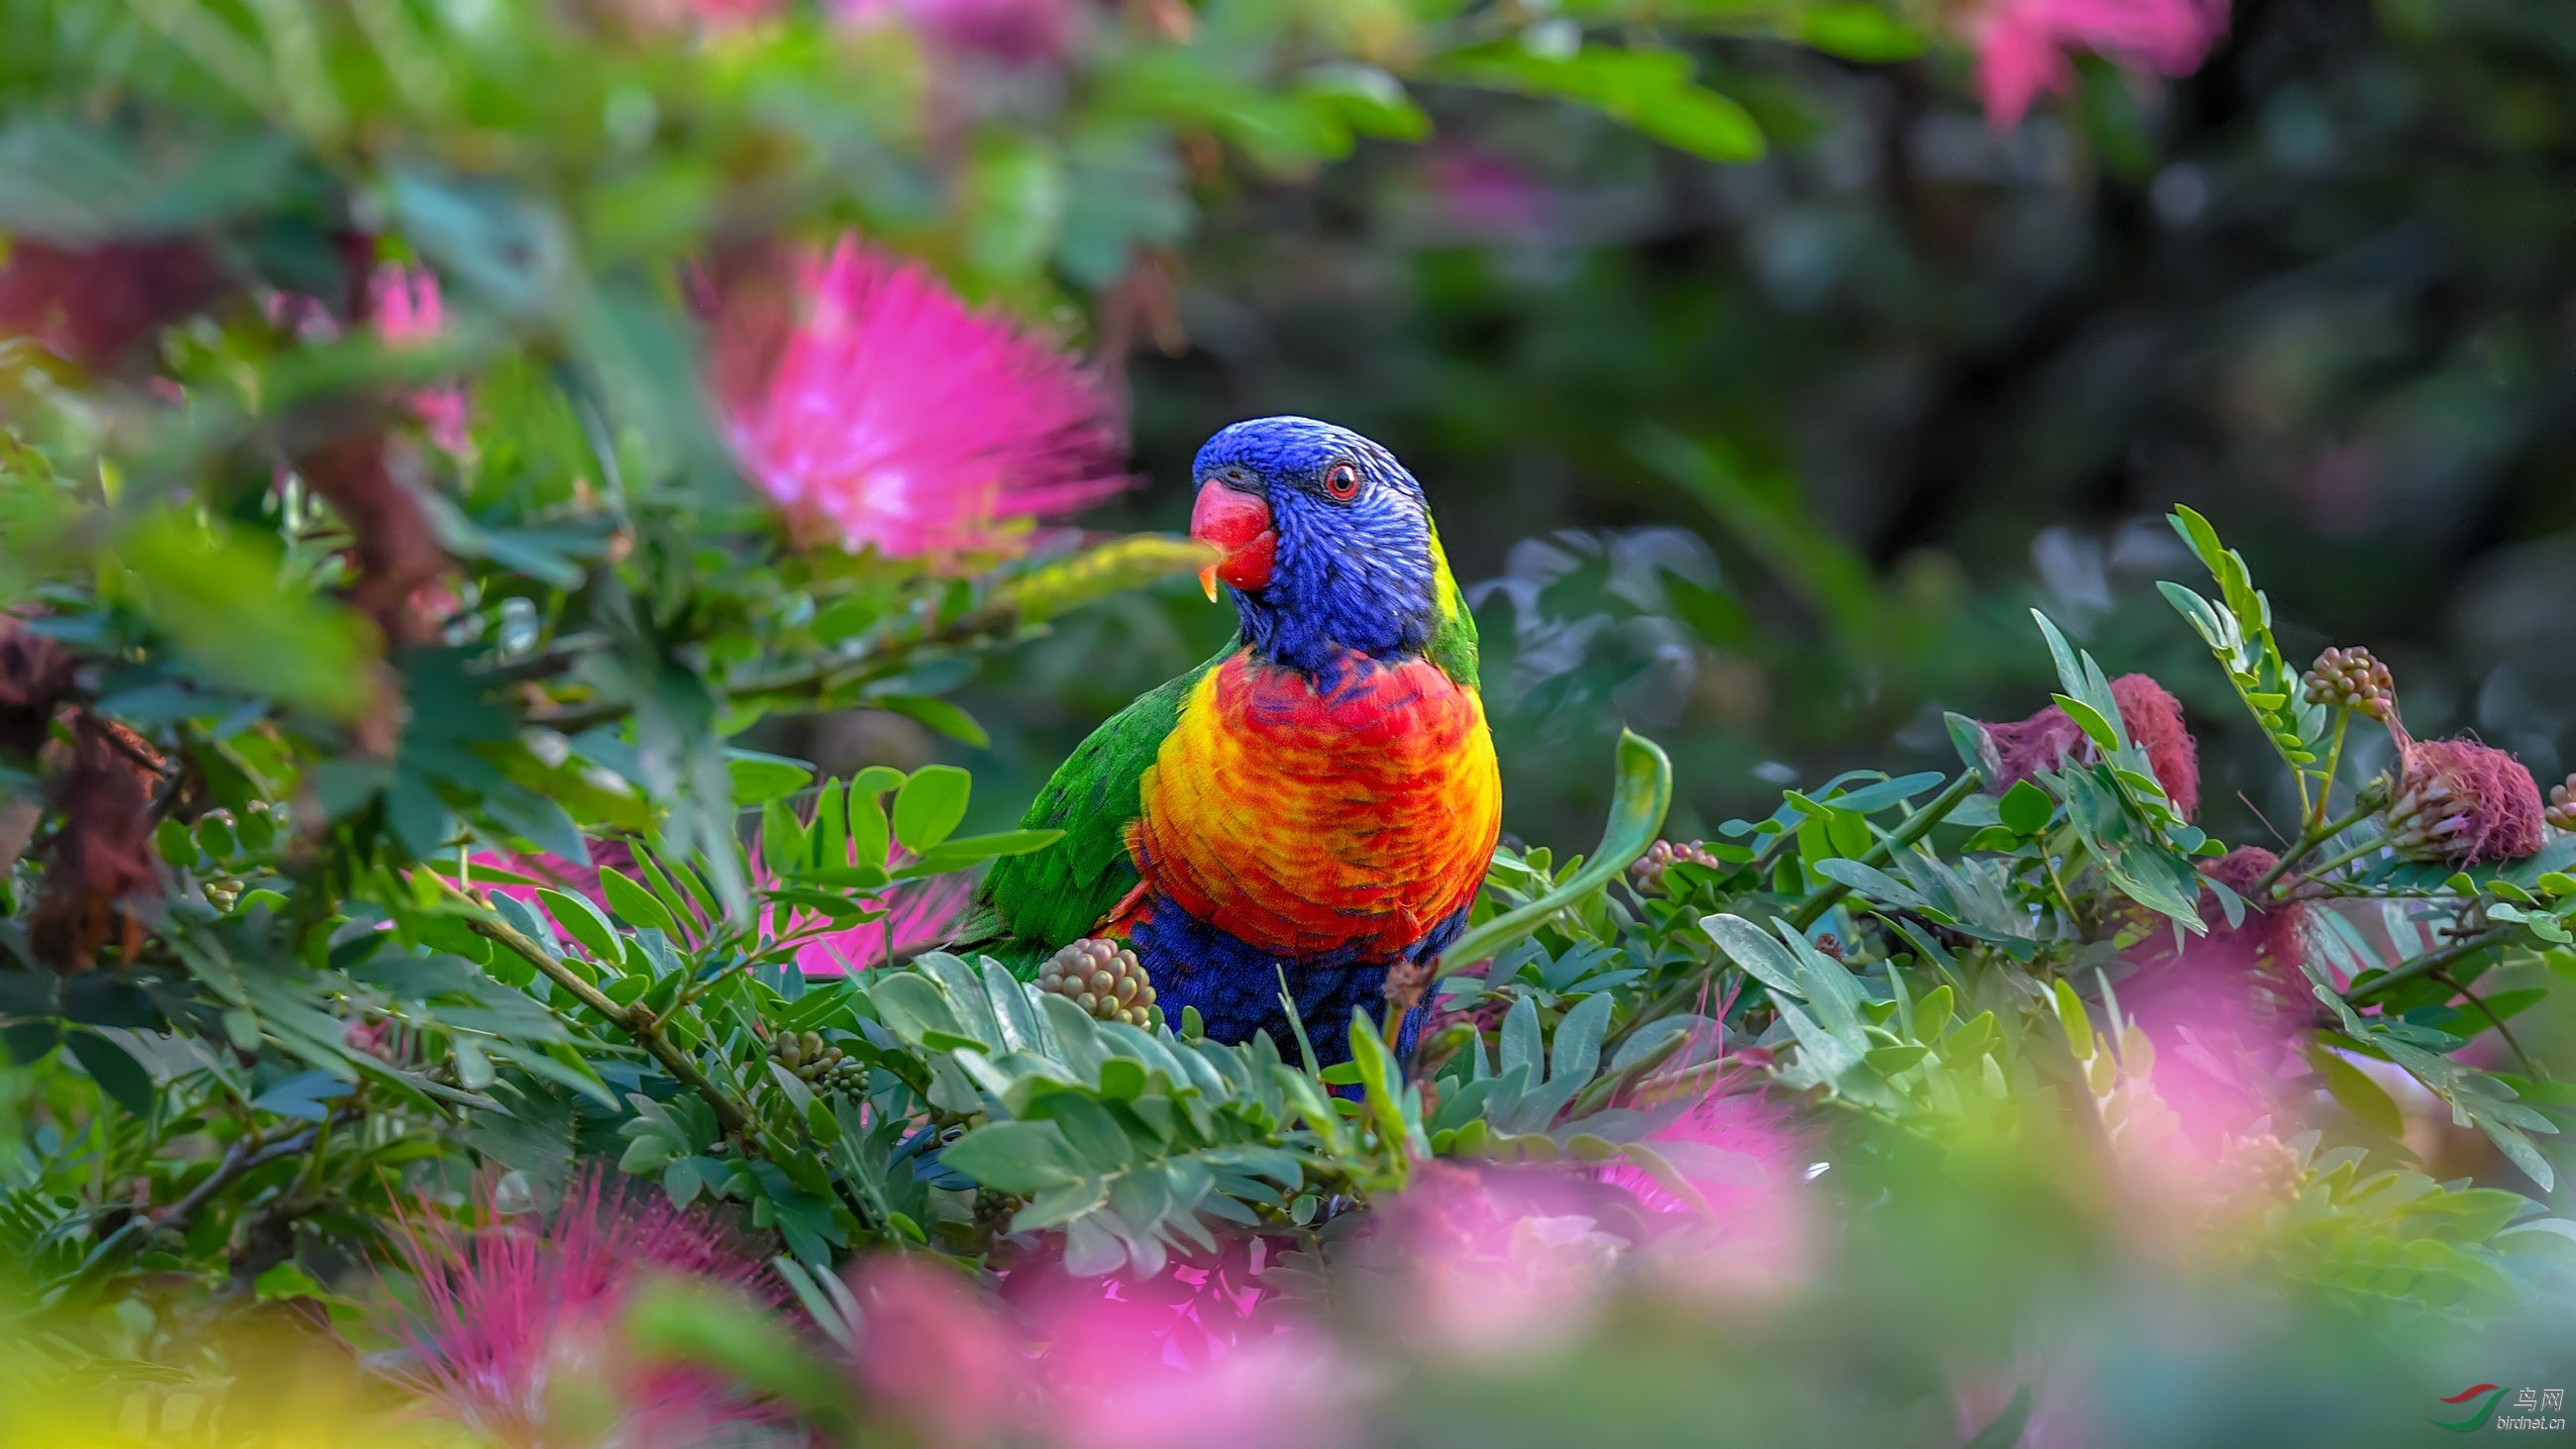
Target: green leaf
{"type": "Point", "coordinates": [2361, 1096]}
{"type": "Point", "coordinates": [243, 616]}
{"type": "Point", "coordinates": [634, 904]}
{"type": "Point", "coordinates": [286, 1281]}
{"type": "Point", "coordinates": [587, 923]}
{"type": "Point", "coordinates": [1650, 90]}
{"type": "Point", "coordinates": [1020, 1157]}
{"type": "Point", "coordinates": [2026, 809]}
{"type": "Point", "coordinates": [1890, 1060]}
{"type": "Point", "coordinates": [1755, 950]}
{"type": "Point", "coordinates": [929, 806]}
{"type": "Point", "coordinates": [939, 714]}
{"type": "Point", "coordinates": [115, 1070]}
{"type": "Point", "coordinates": [961, 851]}
{"type": "Point", "coordinates": [782, 839]}
{"type": "Point", "coordinates": [760, 778]}
{"type": "Point", "coordinates": [2095, 727]}
{"type": "Point", "coordinates": [1641, 794]}
{"type": "Point", "coordinates": [1865, 33]}
{"type": "Point", "coordinates": [1368, 99]}
{"type": "Point", "coordinates": [2070, 1014]}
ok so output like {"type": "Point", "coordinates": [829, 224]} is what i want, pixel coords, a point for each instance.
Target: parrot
{"type": "Point", "coordinates": [1315, 805]}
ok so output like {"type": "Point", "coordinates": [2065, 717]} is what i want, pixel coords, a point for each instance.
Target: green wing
{"type": "Point", "coordinates": [1032, 904]}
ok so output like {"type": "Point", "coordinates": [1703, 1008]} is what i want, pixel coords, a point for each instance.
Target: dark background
{"type": "Point", "coordinates": [1775, 457]}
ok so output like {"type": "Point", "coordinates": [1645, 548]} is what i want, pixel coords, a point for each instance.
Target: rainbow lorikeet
{"type": "Point", "coordinates": [1319, 800]}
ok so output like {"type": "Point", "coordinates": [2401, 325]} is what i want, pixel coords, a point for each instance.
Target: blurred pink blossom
{"type": "Point", "coordinates": [917, 915]}
{"type": "Point", "coordinates": [1490, 1264]}
{"type": "Point", "coordinates": [2022, 45]}
{"type": "Point", "coordinates": [935, 1355]}
{"type": "Point", "coordinates": [1118, 1377]}
{"type": "Point", "coordinates": [1015, 32]}
{"type": "Point", "coordinates": [517, 1322]}
{"type": "Point", "coordinates": [903, 421]}
{"type": "Point", "coordinates": [911, 916]}
{"type": "Point", "coordinates": [404, 305]}
{"type": "Point", "coordinates": [1748, 1206]}
{"type": "Point", "coordinates": [1089, 1364]}
{"type": "Point", "coordinates": [1477, 191]}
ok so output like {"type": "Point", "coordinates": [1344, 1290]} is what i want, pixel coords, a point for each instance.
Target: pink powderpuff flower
{"type": "Point", "coordinates": [1743, 1223]}
{"type": "Point", "coordinates": [905, 422]}
{"type": "Point", "coordinates": [934, 1355]}
{"type": "Point", "coordinates": [1013, 32]}
{"type": "Point", "coordinates": [517, 1331]}
{"type": "Point", "coordinates": [2148, 711]}
{"type": "Point", "coordinates": [1116, 1375]}
{"type": "Point", "coordinates": [2459, 802]}
{"type": "Point", "coordinates": [2225, 1010]}
{"type": "Point", "coordinates": [917, 915]}
{"type": "Point", "coordinates": [913, 916]}
{"type": "Point", "coordinates": [2022, 44]}
{"type": "Point", "coordinates": [404, 304]}
{"type": "Point", "coordinates": [1490, 1263]}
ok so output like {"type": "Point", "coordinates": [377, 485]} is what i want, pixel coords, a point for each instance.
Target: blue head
{"type": "Point", "coordinates": [1328, 543]}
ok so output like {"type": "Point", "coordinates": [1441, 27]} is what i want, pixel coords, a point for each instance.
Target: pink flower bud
{"type": "Point", "coordinates": [2459, 802]}
{"type": "Point", "coordinates": [2150, 714]}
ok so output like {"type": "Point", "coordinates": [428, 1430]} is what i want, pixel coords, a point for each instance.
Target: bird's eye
{"type": "Point", "coordinates": [1342, 481]}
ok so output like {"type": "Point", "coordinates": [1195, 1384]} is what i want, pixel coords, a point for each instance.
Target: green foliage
{"type": "Point", "coordinates": [451, 858]}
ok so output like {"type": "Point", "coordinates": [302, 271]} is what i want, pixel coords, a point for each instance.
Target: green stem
{"type": "Point", "coordinates": [2344, 857]}
{"type": "Point", "coordinates": [634, 1021]}
{"type": "Point", "coordinates": [2530, 1068]}
{"type": "Point", "coordinates": [2334, 762]}
{"type": "Point", "coordinates": [1916, 826]}
{"type": "Point", "coordinates": [2431, 962]}
{"type": "Point", "coordinates": [814, 680]}
{"type": "Point", "coordinates": [2316, 836]}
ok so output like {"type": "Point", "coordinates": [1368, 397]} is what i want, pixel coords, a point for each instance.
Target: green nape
{"type": "Point", "coordinates": [1453, 644]}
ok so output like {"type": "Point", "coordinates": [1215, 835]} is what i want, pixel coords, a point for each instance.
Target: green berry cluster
{"type": "Point", "coordinates": [1104, 979]}
{"type": "Point", "coordinates": [818, 1063]}
{"type": "Point", "coordinates": [2352, 679]}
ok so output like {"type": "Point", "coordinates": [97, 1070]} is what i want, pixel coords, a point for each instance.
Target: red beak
{"type": "Point", "coordinates": [1239, 524]}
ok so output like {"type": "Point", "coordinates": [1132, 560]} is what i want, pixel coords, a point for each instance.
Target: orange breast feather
{"type": "Point", "coordinates": [1348, 816]}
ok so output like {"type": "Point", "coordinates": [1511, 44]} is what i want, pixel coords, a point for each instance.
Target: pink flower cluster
{"type": "Point", "coordinates": [1014, 32]}
{"type": "Point", "coordinates": [404, 304]}
{"type": "Point", "coordinates": [900, 420]}
{"type": "Point", "coordinates": [2148, 711]}
{"type": "Point", "coordinates": [1090, 1366]}
{"type": "Point", "coordinates": [2463, 803]}
{"type": "Point", "coordinates": [516, 1329]}
{"type": "Point", "coordinates": [2022, 45]}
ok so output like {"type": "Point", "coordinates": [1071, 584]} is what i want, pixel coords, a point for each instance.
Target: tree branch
{"type": "Point", "coordinates": [239, 1160]}
{"type": "Point", "coordinates": [635, 1021]}
{"type": "Point", "coordinates": [1916, 826]}
{"type": "Point", "coordinates": [2431, 962]}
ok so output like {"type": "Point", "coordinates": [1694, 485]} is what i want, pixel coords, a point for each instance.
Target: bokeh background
{"type": "Point", "coordinates": [1769, 460]}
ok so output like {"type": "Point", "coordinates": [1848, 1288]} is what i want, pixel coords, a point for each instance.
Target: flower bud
{"type": "Point", "coordinates": [1646, 872]}
{"type": "Point", "coordinates": [2459, 802]}
{"type": "Point", "coordinates": [2352, 679]}
{"type": "Point", "coordinates": [2562, 805]}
